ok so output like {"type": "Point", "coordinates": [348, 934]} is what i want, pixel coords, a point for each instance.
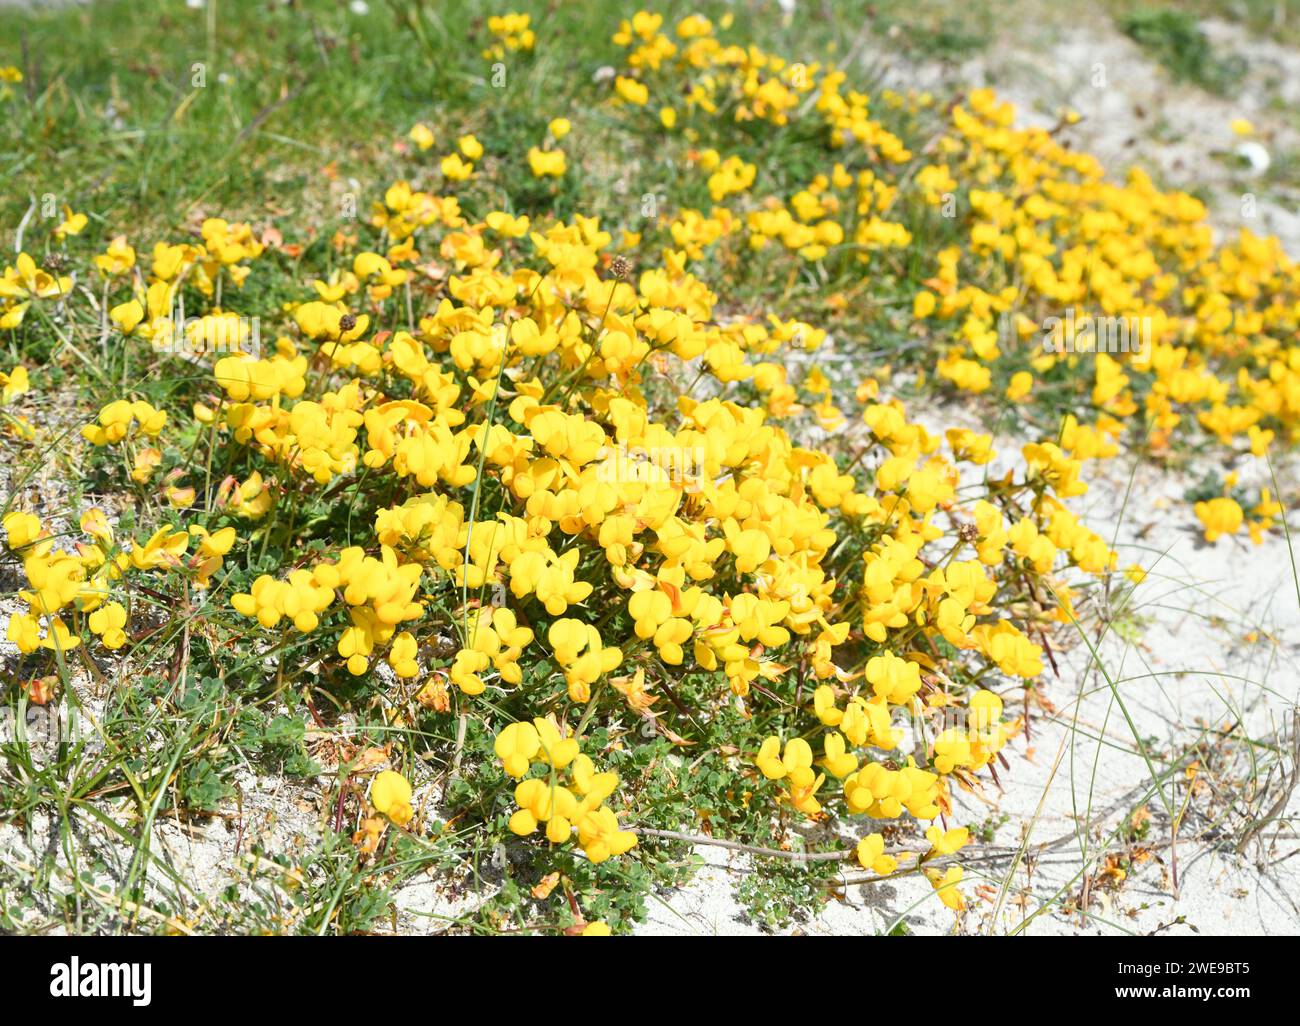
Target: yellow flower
{"type": "Point", "coordinates": [556, 751]}
{"type": "Point", "coordinates": [895, 679]}
{"type": "Point", "coordinates": [127, 316]}
{"type": "Point", "coordinates": [512, 228]}
{"type": "Point", "coordinates": [401, 657]}
{"type": "Point", "coordinates": [946, 886]}
{"type": "Point", "coordinates": [95, 523]}
{"type": "Point", "coordinates": [163, 548]}
{"type": "Point", "coordinates": [119, 258]}
{"type": "Point", "coordinates": [583, 656]}
{"type": "Point", "coordinates": [390, 794]}
{"type": "Point", "coordinates": [22, 529]}
{"type": "Point", "coordinates": [470, 147]}
{"type": "Point", "coordinates": [454, 169]}
{"type": "Point", "coordinates": [15, 383]}
{"type": "Point", "coordinates": [871, 855]}
{"type": "Point", "coordinates": [326, 321]}
{"type": "Point", "coordinates": [546, 162]}
{"type": "Point", "coordinates": [946, 842]}
{"type": "Point", "coordinates": [422, 135]}
{"type": "Point", "coordinates": [108, 622]}
{"type": "Point", "coordinates": [629, 90]}
{"type": "Point", "coordinates": [302, 598]}
{"type": "Point", "coordinates": [824, 706]}
{"type": "Point", "coordinates": [795, 766]}
{"type": "Point", "coordinates": [516, 746]}
{"type": "Point", "coordinates": [600, 836]}
{"type": "Point", "coordinates": [1022, 383]}
{"type": "Point", "coordinates": [1219, 517]}
{"type": "Point", "coordinates": [72, 224]}
{"type": "Point", "coordinates": [837, 761]}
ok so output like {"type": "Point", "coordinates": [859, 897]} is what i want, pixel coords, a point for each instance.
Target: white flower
{"type": "Point", "coordinates": [1255, 155]}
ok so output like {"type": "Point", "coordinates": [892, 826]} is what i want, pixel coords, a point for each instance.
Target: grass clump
{"type": "Point", "coordinates": [1176, 40]}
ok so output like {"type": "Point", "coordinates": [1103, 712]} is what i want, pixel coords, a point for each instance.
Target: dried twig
{"type": "Point", "coordinates": [1288, 788]}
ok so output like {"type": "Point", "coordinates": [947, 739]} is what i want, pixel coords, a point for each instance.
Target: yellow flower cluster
{"type": "Point", "coordinates": [510, 464]}
{"type": "Point", "coordinates": [1113, 295]}
{"type": "Point", "coordinates": [568, 798]}
{"type": "Point", "coordinates": [81, 583]}
{"type": "Point", "coordinates": [702, 525]}
{"type": "Point", "coordinates": [116, 419]}
{"type": "Point", "coordinates": [23, 282]}
{"type": "Point", "coordinates": [379, 594]}
{"type": "Point", "coordinates": [512, 35]}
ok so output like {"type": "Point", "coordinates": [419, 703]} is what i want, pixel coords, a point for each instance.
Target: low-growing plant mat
{"type": "Point", "coordinates": [631, 472]}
